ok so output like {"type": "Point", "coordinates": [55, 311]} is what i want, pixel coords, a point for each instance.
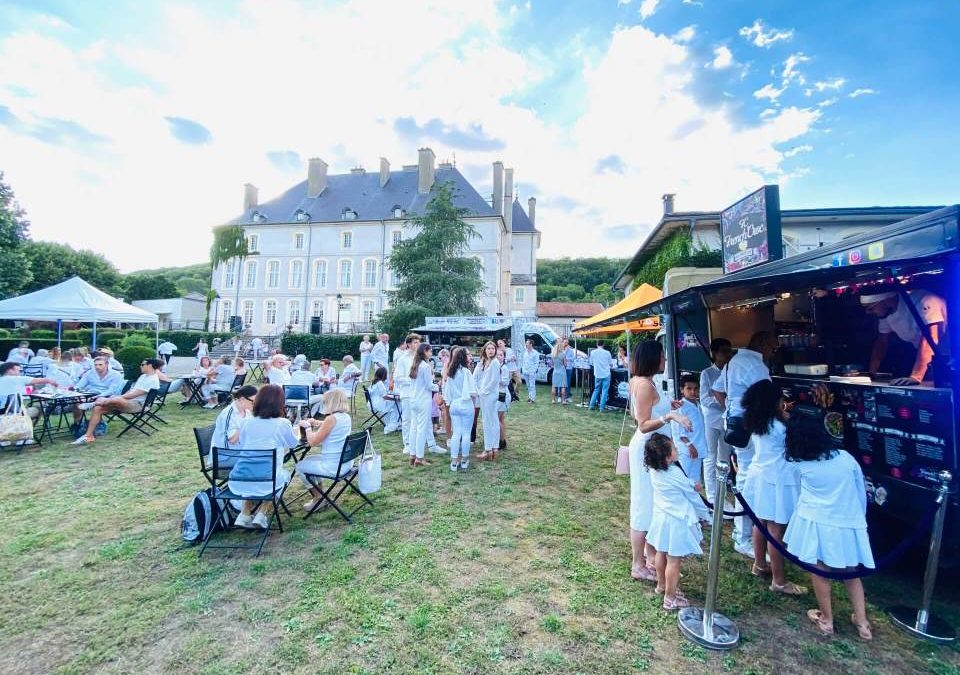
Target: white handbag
{"type": "Point", "coordinates": [370, 473]}
{"type": "Point", "coordinates": [16, 426]}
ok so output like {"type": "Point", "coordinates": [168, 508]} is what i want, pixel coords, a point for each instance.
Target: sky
{"type": "Point", "coordinates": [129, 127]}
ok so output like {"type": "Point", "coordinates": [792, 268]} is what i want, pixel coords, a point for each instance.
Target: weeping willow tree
{"type": "Point", "coordinates": [229, 243]}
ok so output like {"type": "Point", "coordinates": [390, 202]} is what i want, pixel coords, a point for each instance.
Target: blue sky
{"type": "Point", "coordinates": [127, 118]}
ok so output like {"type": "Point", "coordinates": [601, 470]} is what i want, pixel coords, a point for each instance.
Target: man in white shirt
{"type": "Point", "coordinates": [403, 385]}
{"type": "Point", "coordinates": [256, 346]}
{"type": "Point", "coordinates": [350, 376]}
{"type": "Point", "coordinates": [713, 411]}
{"type": "Point", "coordinates": [380, 352]}
{"type": "Point", "coordinates": [529, 365]}
{"type": "Point", "coordinates": [219, 380]}
{"type": "Point", "coordinates": [747, 367]}
{"type": "Point", "coordinates": [895, 318]}
{"type": "Point", "coordinates": [12, 382]}
{"type": "Point", "coordinates": [277, 370]}
{"type": "Point", "coordinates": [166, 349]}
{"type": "Point", "coordinates": [100, 380]}
{"type": "Point", "coordinates": [21, 354]}
{"type": "Point", "coordinates": [601, 361]}
{"type": "Point", "coordinates": [131, 402]}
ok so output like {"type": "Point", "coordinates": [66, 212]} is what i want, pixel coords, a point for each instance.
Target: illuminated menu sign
{"type": "Point", "coordinates": [750, 230]}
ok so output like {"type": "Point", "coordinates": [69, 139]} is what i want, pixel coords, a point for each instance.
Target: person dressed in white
{"type": "Point", "coordinates": [12, 382]}
{"type": "Point", "coordinates": [278, 371]}
{"type": "Point", "coordinates": [350, 377]}
{"type": "Point", "coordinates": [99, 380]}
{"type": "Point", "coordinates": [226, 429]}
{"type": "Point", "coordinates": [166, 349]}
{"type": "Point", "coordinates": [256, 346]}
{"type": "Point", "coordinates": [237, 346]}
{"type": "Point", "coordinates": [748, 366]}
{"type": "Point", "coordinates": [503, 398]}
{"type": "Point", "coordinates": [421, 373]}
{"type": "Point", "coordinates": [383, 406]}
{"type": "Point", "coordinates": [130, 402]}
{"type": "Point", "coordinates": [43, 360]}
{"type": "Point", "coordinates": [219, 380]}
{"type": "Point", "coordinates": [21, 354]}
{"type": "Point", "coordinates": [326, 375]}
{"type": "Point", "coordinates": [653, 414]}
{"type": "Point", "coordinates": [601, 361]}
{"type": "Point", "coordinates": [675, 525]}
{"type": "Point", "coordinates": [510, 363]}
{"type": "Point", "coordinates": [380, 352]}
{"type": "Point", "coordinates": [459, 392]}
{"type": "Point", "coordinates": [403, 386]}
{"type": "Point", "coordinates": [829, 526]}
{"type": "Point", "coordinates": [365, 347]}
{"type": "Point", "coordinates": [713, 411]}
{"type": "Point", "coordinates": [487, 377]}
{"type": "Point", "coordinates": [529, 365]}
{"type": "Point", "coordinates": [895, 318]}
{"type": "Point", "coordinates": [771, 488]}
{"type": "Point", "coordinates": [201, 349]}
{"type": "Point", "coordinates": [691, 444]}
{"type": "Point", "coordinates": [266, 429]}
{"type": "Point", "coordinates": [329, 435]}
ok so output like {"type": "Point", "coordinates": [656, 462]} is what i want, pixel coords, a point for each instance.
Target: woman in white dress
{"type": "Point", "coordinates": [459, 393]}
{"type": "Point", "coordinates": [387, 409]}
{"type": "Point", "coordinates": [487, 377]}
{"type": "Point", "coordinates": [421, 403]}
{"type": "Point", "coordinates": [365, 347]}
{"type": "Point", "coordinates": [199, 376]}
{"type": "Point", "coordinates": [677, 511]}
{"type": "Point", "coordinates": [330, 436]}
{"type": "Point", "coordinates": [653, 414]}
{"type": "Point", "coordinates": [268, 427]}
{"type": "Point", "coordinates": [829, 525]}
{"type": "Point", "coordinates": [503, 398]}
{"type": "Point", "coordinates": [771, 487]}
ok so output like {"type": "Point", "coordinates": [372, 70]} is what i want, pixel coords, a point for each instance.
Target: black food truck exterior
{"type": "Point", "coordinates": [815, 303]}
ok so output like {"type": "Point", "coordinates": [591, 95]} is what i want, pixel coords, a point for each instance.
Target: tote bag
{"type": "Point", "coordinates": [370, 473]}
{"type": "Point", "coordinates": [16, 426]}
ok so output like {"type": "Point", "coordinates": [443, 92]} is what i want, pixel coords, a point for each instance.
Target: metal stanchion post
{"type": "Point", "coordinates": [706, 627]}
{"type": "Point", "coordinates": [919, 622]}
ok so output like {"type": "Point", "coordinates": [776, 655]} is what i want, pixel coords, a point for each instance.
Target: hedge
{"type": "Point", "coordinates": [331, 345]}
{"type": "Point", "coordinates": [43, 334]}
{"type": "Point", "coordinates": [7, 344]}
{"type": "Point", "coordinates": [131, 358]}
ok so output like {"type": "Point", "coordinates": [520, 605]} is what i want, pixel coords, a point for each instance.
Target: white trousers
{"type": "Point", "coordinates": [422, 427]}
{"type": "Point", "coordinates": [389, 415]}
{"type": "Point", "coordinates": [491, 424]}
{"type": "Point", "coordinates": [742, 527]}
{"type": "Point", "coordinates": [364, 365]}
{"type": "Point", "coordinates": [531, 380]}
{"type": "Point", "coordinates": [406, 424]}
{"type": "Point", "coordinates": [715, 446]}
{"type": "Point", "coordinates": [462, 422]}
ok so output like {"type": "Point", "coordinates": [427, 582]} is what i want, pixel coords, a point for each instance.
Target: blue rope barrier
{"type": "Point", "coordinates": [733, 514]}
{"type": "Point", "coordinates": [886, 561]}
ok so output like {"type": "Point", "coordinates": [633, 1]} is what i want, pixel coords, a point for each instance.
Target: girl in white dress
{"type": "Point", "coordinates": [421, 374]}
{"type": "Point", "coordinates": [386, 409]}
{"type": "Point", "coordinates": [771, 487]}
{"type": "Point", "coordinates": [829, 526]}
{"type": "Point", "coordinates": [487, 377]}
{"type": "Point", "coordinates": [459, 392]}
{"type": "Point", "coordinates": [677, 512]}
{"type": "Point", "coordinates": [653, 414]}
{"type": "Point", "coordinates": [330, 436]}
{"type": "Point", "coordinates": [503, 398]}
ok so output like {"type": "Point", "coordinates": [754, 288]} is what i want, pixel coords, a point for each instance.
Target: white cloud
{"type": "Point", "coordinates": [648, 8]}
{"type": "Point", "coordinates": [768, 91]}
{"type": "Point", "coordinates": [685, 34]}
{"type": "Point", "coordinates": [722, 58]}
{"type": "Point", "coordinates": [827, 102]}
{"type": "Point", "coordinates": [790, 72]}
{"type": "Point", "coordinates": [764, 37]}
{"type": "Point", "coordinates": [796, 150]}
{"type": "Point", "coordinates": [695, 3]}
{"type": "Point", "coordinates": [861, 92]}
{"type": "Point", "coordinates": [833, 84]}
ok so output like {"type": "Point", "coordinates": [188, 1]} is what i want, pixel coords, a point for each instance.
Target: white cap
{"type": "Point", "coordinates": [876, 297]}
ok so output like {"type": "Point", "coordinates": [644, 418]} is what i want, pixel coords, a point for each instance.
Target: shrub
{"type": "Point", "coordinates": [131, 358]}
{"type": "Point", "coordinates": [4, 333]}
{"type": "Point", "coordinates": [105, 336]}
{"type": "Point", "coordinates": [137, 340]}
{"type": "Point", "coordinates": [331, 345]}
{"type": "Point", "coordinates": [43, 334]}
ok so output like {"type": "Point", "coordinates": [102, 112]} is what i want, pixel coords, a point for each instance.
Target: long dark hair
{"type": "Point", "coordinates": [646, 358]}
{"type": "Point", "coordinates": [762, 404]}
{"type": "Point", "coordinates": [807, 442]}
{"type": "Point", "coordinates": [379, 375]}
{"type": "Point", "coordinates": [270, 402]}
{"type": "Point", "coordinates": [458, 360]}
{"type": "Point", "coordinates": [420, 357]}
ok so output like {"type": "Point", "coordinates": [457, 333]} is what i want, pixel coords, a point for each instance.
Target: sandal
{"type": "Point", "coordinates": [863, 629]}
{"type": "Point", "coordinates": [642, 574]}
{"type": "Point", "coordinates": [676, 602]}
{"type": "Point", "coordinates": [483, 455]}
{"type": "Point", "coordinates": [758, 571]}
{"type": "Point", "coordinates": [788, 588]}
{"type": "Point", "coordinates": [816, 616]}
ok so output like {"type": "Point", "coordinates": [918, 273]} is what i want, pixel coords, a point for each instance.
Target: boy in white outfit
{"type": "Point", "coordinates": [529, 364]}
{"type": "Point", "coordinates": [691, 445]}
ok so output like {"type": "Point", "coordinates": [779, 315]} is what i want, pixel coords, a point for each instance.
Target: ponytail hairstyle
{"type": "Point", "coordinates": [458, 360]}
{"type": "Point", "coordinates": [419, 358]}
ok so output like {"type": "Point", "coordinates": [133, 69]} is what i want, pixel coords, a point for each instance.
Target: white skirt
{"type": "Point", "coordinates": [641, 491]}
{"type": "Point", "coordinates": [673, 536]}
{"type": "Point", "coordinates": [833, 545]}
{"type": "Point", "coordinates": [771, 501]}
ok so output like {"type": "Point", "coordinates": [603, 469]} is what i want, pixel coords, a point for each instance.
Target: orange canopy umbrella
{"type": "Point", "coordinates": [642, 295]}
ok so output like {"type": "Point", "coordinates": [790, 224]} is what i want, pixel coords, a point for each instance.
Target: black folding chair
{"type": "Point", "coordinates": [296, 396]}
{"type": "Point", "coordinates": [223, 397]}
{"type": "Point", "coordinates": [153, 412]}
{"type": "Point", "coordinates": [242, 467]}
{"type": "Point", "coordinates": [353, 448]}
{"type": "Point", "coordinates": [374, 415]}
{"type": "Point", "coordinates": [139, 420]}
{"type": "Point", "coordinates": [196, 397]}
{"type": "Point", "coordinates": [353, 396]}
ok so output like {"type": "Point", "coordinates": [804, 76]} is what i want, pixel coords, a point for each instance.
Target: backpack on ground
{"type": "Point", "coordinates": [202, 515]}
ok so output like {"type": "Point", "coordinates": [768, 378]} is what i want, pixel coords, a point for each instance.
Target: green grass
{"type": "Point", "coordinates": [515, 567]}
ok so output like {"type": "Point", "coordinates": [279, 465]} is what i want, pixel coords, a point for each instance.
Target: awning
{"type": "Point", "coordinates": [73, 300]}
{"type": "Point", "coordinates": [643, 295]}
{"type": "Point", "coordinates": [650, 323]}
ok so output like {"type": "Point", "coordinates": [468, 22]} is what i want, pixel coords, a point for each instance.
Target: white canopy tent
{"type": "Point", "coordinates": [74, 300]}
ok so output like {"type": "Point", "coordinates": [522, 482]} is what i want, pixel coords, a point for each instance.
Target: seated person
{"type": "Point", "coordinates": [43, 359]}
{"type": "Point", "coordinates": [12, 382]}
{"type": "Point", "coordinates": [201, 373]}
{"type": "Point", "coordinates": [100, 380]}
{"type": "Point", "coordinates": [114, 364]}
{"type": "Point", "coordinates": [131, 402]}
{"type": "Point", "coordinates": [219, 380]}
{"type": "Point", "coordinates": [326, 375]}
{"type": "Point", "coordinates": [239, 366]}
{"type": "Point", "coordinates": [383, 406]}
{"type": "Point", "coordinates": [76, 364]}
{"type": "Point", "coordinates": [226, 431]}
{"type": "Point", "coordinates": [277, 370]}
{"type": "Point", "coordinates": [21, 354]}
{"type": "Point", "coordinates": [300, 363]}
{"type": "Point", "coordinates": [350, 376]}
{"type": "Point", "coordinates": [330, 436]}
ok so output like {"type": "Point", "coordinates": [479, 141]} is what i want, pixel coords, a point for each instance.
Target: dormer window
{"type": "Point", "coordinates": [348, 214]}
{"type": "Point", "coordinates": [398, 212]}
{"type": "Point", "coordinates": [301, 216]}
{"type": "Point", "coordinates": [258, 217]}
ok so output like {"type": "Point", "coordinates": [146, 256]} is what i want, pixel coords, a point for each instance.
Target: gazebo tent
{"type": "Point", "coordinates": [74, 300]}
{"type": "Point", "coordinates": [643, 295]}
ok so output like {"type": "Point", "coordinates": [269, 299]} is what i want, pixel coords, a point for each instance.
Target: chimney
{"type": "Point", "coordinates": [532, 210]}
{"type": "Point", "coordinates": [425, 170]}
{"type": "Point", "coordinates": [250, 200]}
{"type": "Point", "coordinates": [508, 200]}
{"type": "Point", "coordinates": [498, 188]}
{"type": "Point", "coordinates": [668, 203]}
{"type": "Point", "coordinates": [384, 171]}
{"type": "Point", "coordinates": [316, 177]}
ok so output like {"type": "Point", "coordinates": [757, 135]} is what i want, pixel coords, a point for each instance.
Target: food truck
{"type": "Point", "coordinates": [903, 434]}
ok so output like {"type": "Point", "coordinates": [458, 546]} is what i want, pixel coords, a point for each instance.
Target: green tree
{"type": "Point", "coordinates": [583, 272]}
{"type": "Point", "coordinates": [149, 287]}
{"type": "Point", "coordinates": [14, 231]}
{"type": "Point", "coordinates": [50, 263]}
{"type": "Point", "coordinates": [435, 277]}
{"type": "Point", "coordinates": [229, 243]}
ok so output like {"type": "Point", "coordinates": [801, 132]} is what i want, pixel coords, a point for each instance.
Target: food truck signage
{"type": "Point", "coordinates": [750, 230]}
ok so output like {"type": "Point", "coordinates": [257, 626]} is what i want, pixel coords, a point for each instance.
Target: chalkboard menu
{"type": "Point", "coordinates": [750, 230]}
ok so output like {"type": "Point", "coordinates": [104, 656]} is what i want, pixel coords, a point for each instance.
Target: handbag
{"type": "Point", "coordinates": [735, 434]}
{"type": "Point", "coordinates": [16, 426]}
{"type": "Point", "coordinates": [370, 473]}
{"type": "Point", "coordinates": [622, 463]}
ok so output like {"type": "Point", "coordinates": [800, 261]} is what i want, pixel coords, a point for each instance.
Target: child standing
{"type": "Point", "coordinates": [677, 511]}
{"type": "Point", "coordinates": [691, 445]}
{"type": "Point", "coordinates": [829, 526]}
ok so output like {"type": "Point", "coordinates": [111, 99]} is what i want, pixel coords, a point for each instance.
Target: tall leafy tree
{"type": "Point", "coordinates": [435, 276]}
{"type": "Point", "coordinates": [229, 244]}
{"type": "Point", "coordinates": [14, 231]}
{"type": "Point", "coordinates": [150, 287]}
{"type": "Point", "coordinates": [50, 263]}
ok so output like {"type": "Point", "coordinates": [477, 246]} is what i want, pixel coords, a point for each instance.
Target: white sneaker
{"type": "Point", "coordinates": [744, 548]}
{"type": "Point", "coordinates": [390, 429]}
{"type": "Point", "coordinates": [438, 449]}
{"type": "Point", "coordinates": [464, 464]}
{"type": "Point", "coordinates": [210, 406]}
{"type": "Point", "coordinates": [81, 441]}
{"type": "Point", "coordinates": [244, 520]}
{"type": "Point", "coordinates": [454, 466]}
{"type": "Point", "coordinates": [260, 521]}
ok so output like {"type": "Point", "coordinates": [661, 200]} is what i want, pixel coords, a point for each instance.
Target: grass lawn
{"type": "Point", "coordinates": [518, 566]}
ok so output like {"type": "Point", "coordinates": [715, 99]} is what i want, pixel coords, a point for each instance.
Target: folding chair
{"type": "Point", "coordinates": [296, 396]}
{"type": "Point", "coordinates": [353, 448]}
{"type": "Point", "coordinates": [140, 419]}
{"type": "Point", "coordinates": [153, 412]}
{"type": "Point", "coordinates": [353, 396]}
{"type": "Point", "coordinates": [246, 467]}
{"type": "Point", "coordinates": [374, 415]}
{"type": "Point", "coordinates": [32, 370]}
{"type": "Point", "coordinates": [223, 397]}
{"type": "Point", "coordinates": [195, 398]}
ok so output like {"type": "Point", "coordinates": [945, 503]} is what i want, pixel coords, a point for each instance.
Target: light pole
{"type": "Point", "coordinates": [216, 311]}
{"type": "Point", "coordinates": [339, 298]}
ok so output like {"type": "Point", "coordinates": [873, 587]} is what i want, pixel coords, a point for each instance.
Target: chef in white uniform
{"type": "Point", "coordinates": [895, 318]}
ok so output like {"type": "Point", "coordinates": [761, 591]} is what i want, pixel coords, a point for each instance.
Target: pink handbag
{"type": "Point", "coordinates": [622, 464]}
